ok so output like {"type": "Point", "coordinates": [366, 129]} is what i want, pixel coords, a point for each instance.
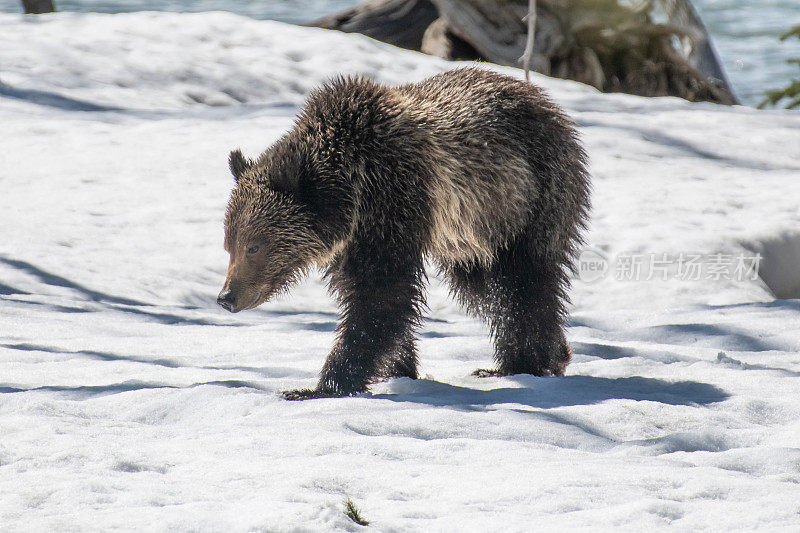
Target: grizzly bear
{"type": "Point", "coordinates": [480, 173]}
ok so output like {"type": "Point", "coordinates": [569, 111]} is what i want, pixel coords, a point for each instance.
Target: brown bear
{"type": "Point", "coordinates": [479, 172]}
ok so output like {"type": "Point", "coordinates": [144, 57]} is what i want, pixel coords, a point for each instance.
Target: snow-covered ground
{"type": "Point", "coordinates": [130, 401]}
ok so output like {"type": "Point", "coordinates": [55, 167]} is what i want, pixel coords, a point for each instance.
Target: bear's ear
{"type": "Point", "coordinates": [239, 164]}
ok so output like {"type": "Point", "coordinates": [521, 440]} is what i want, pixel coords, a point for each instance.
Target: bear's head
{"type": "Point", "coordinates": [268, 230]}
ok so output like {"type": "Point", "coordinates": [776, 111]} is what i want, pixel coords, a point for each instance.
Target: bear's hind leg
{"type": "Point", "coordinates": [528, 311]}
{"type": "Point", "coordinates": [522, 295]}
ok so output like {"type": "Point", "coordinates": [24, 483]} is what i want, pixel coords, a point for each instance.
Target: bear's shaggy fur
{"type": "Point", "coordinates": [476, 171]}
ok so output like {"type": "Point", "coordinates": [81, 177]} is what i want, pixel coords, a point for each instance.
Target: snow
{"type": "Point", "coordinates": [129, 400]}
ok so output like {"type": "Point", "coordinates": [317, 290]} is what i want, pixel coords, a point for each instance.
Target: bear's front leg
{"type": "Point", "coordinates": [381, 299]}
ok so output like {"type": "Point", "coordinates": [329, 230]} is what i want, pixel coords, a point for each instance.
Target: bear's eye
{"type": "Point", "coordinates": [253, 249]}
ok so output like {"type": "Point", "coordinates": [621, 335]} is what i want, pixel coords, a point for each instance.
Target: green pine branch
{"type": "Point", "coordinates": [353, 513]}
{"type": "Point", "coordinates": [792, 91]}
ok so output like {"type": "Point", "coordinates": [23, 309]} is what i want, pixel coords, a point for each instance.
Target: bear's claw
{"type": "Point", "coordinates": [307, 394]}
{"type": "Point", "coordinates": [488, 373]}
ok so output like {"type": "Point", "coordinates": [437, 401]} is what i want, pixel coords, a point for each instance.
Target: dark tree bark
{"type": "Point", "coordinates": [398, 22]}
{"type": "Point", "coordinates": [37, 7]}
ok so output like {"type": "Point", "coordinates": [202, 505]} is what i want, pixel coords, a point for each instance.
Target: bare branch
{"type": "Point", "coordinates": [528, 54]}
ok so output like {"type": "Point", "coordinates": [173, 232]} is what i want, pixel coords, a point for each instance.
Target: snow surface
{"type": "Point", "coordinates": [130, 401]}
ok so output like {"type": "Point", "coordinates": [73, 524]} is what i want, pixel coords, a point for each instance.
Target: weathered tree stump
{"type": "Point", "coordinates": [611, 46]}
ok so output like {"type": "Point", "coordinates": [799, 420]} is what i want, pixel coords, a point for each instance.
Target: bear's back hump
{"type": "Point", "coordinates": [480, 180]}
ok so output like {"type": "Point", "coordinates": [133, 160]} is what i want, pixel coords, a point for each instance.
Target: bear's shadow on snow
{"type": "Point", "coordinates": [531, 391]}
{"type": "Point", "coordinates": [555, 392]}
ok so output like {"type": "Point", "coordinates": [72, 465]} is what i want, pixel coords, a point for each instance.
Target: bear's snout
{"type": "Point", "coordinates": [227, 299]}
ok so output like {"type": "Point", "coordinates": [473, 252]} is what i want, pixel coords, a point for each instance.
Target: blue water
{"type": "Point", "coordinates": [745, 32]}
